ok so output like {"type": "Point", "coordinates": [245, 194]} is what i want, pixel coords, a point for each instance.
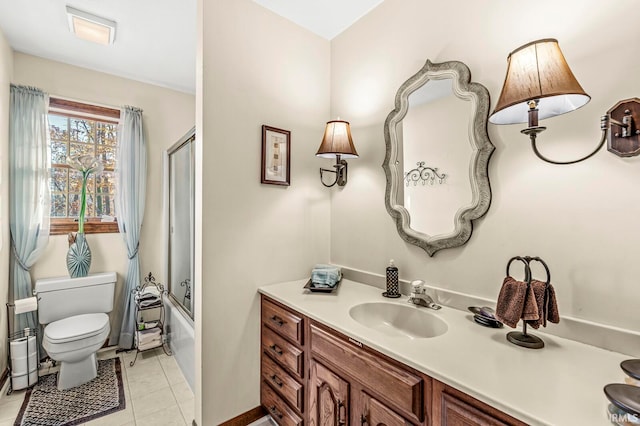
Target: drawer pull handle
{"type": "Point", "coordinates": [277, 381]}
{"type": "Point", "coordinates": [363, 419]}
{"type": "Point", "coordinates": [275, 411]}
{"type": "Point", "coordinates": [276, 319]}
{"type": "Point", "coordinates": [342, 409]}
{"type": "Point", "coordinates": [275, 348]}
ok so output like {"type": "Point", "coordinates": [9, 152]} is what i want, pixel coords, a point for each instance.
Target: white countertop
{"type": "Point", "coordinates": [558, 385]}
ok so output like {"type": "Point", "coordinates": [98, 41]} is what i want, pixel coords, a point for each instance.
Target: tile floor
{"type": "Point", "coordinates": [155, 390]}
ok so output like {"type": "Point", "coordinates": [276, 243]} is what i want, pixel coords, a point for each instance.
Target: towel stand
{"type": "Point", "coordinates": [522, 338]}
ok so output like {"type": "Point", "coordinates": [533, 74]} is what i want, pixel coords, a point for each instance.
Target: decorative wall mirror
{"type": "Point", "coordinates": [437, 158]}
{"type": "Point", "coordinates": [179, 209]}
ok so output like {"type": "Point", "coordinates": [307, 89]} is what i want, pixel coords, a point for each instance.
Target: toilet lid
{"type": "Point", "coordinates": [76, 327]}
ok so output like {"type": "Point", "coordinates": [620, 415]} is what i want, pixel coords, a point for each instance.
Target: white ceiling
{"type": "Point", "coordinates": [155, 39]}
{"type": "Point", "coordinates": [327, 18]}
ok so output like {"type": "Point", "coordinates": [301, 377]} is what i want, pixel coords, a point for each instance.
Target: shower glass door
{"type": "Point", "coordinates": [181, 222]}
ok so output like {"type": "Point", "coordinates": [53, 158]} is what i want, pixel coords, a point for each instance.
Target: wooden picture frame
{"type": "Point", "coordinates": [276, 156]}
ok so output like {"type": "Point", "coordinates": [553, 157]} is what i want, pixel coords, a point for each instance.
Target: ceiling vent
{"type": "Point", "coordinates": [91, 27]}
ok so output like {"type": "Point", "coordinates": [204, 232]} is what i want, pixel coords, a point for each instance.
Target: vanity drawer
{"type": "Point", "coordinates": [287, 354]}
{"type": "Point", "coordinates": [277, 408]}
{"type": "Point", "coordinates": [285, 322]}
{"type": "Point", "coordinates": [290, 389]}
{"type": "Point", "coordinates": [397, 386]}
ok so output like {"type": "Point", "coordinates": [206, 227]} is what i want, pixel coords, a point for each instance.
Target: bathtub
{"type": "Point", "coordinates": [181, 340]}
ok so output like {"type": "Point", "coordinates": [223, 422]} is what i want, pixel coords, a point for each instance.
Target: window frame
{"type": "Point", "coordinates": [75, 109]}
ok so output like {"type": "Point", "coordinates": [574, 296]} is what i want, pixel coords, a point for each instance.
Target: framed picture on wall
{"type": "Point", "coordinates": [276, 155]}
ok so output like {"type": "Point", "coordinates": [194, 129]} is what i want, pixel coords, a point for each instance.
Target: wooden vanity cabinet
{"type": "Point", "coordinates": [313, 375]}
{"type": "Point", "coordinates": [328, 397]}
{"type": "Point", "coordinates": [283, 363]}
{"type": "Point", "coordinates": [450, 407]}
{"type": "Point", "coordinates": [376, 413]}
{"type": "Point", "coordinates": [352, 384]}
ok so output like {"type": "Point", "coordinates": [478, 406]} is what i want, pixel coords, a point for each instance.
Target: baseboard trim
{"type": "Point", "coordinates": [245, 418]}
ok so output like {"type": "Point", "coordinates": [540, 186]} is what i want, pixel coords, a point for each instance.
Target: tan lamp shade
{"type": "Point", "coordinates": [337, 141]}
{"type": "Point", "coordinates": [538, 71]}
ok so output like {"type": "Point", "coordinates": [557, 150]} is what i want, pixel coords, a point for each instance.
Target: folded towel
{"type": "Point", "coordinates": [548, 312]}
{"type": "Point", "coordinates": [325, 275]}
{"type": "Point", "coordinates": [516, 300]}
{"type": "Point", "coordinates": [151, 289]}
{"type": "Point", "coordinates": [148, 299]}
{"type": "Point", "coordinates": [145, 336]}
{"type": "Point", "coordinates": [149, 303]}
{"type": "Point", "coordinates": [150, 345]}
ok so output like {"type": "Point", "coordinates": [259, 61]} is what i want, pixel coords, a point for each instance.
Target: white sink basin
{"type": "Point", "coordinates": [397, 320]}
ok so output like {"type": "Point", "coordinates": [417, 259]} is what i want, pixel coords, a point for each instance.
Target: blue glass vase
{"type": "Point", "coordinates": [78, 256]}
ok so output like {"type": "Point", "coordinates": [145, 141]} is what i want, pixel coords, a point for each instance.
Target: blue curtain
{"type": "Point", "coordinates": [131, 181]}
{"type": "Point", "coordinates": [29, 189]}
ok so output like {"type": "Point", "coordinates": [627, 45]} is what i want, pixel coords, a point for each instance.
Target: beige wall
{"type": "Point", "coordinates": [6, 71]}
{"type": "Point", "coordinates": [582, 219]}
{"type": "Point", "coordinates": [258, 69]}
{"type": "Point", "coordinates": [167, 116]}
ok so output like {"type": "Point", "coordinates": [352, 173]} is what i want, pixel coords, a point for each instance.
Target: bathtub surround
{"type": "Point", "coordinates": [131, 187]}
{"type": "Point", "coordinates": [181, 340]}
{"type": "Point", "coordinates": [29, 197]}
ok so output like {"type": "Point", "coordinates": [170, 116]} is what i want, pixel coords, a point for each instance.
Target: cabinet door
{"type": "Point", "coordinates": [329, 397]}
{"type": "Point", "coordinates": [376, 414]}
{"type": "Point", "coordinates": [454, 408]}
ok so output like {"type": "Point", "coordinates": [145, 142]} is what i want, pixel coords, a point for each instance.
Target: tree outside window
{"type": "Point", "coordinates": [73, 134]}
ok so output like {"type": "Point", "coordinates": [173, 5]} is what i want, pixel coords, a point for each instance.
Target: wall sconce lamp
{"type": "Point", "coordinates": [337, 143]}
{"type": "Point", "coordinates": [539, 84]}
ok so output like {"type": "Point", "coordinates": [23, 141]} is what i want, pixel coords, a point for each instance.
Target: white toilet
{"type": "Point", "coordinates": [74, 311]}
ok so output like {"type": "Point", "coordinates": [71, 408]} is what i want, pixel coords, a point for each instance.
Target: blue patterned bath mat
{"type": "Point", "coordinates": [45, 405]}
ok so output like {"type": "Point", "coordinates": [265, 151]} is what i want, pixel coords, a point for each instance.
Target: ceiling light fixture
{"type": "Point", "coordinates": [91, 27]}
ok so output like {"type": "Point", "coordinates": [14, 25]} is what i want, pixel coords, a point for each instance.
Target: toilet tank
{"type": "Point", "coordinates": [64, 297]}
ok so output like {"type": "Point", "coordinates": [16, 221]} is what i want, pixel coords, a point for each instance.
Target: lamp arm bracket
{"type": "Point", "coordinates": [603, 125]}
{"type": "Point", "coordinates": [330, 171]}
{"type": "Point", "coordinates": [618, 123]}
{"type": "Point", "coordinates": [340, 172]}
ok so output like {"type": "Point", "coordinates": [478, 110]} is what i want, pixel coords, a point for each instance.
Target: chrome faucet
{"type": "Point", "coordinates": [420, 297]}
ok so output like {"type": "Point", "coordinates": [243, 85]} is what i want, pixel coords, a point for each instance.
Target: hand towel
{"type": "Point", "coordinates": [515, 301]}
{"type": "Point", "coordinates": [548, 312]}
{"type": "Point", "coordinates": [325, 275]}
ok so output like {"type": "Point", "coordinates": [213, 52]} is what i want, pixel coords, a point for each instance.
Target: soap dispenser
{"type": "Point", "coordinates": [392, 281]}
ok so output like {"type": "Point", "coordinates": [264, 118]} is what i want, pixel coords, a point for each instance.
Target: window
{"type": "Point", "coordinates": [81, 129]}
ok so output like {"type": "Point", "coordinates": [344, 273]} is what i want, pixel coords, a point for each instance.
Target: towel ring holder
{"type": "Point", "coordinates": [545, 303]}
{"type": "Point", "coordinates": [522, 338]}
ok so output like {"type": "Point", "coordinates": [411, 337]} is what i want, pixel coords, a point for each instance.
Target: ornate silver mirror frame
{"type": "Point", "coordinates": [481, 147]}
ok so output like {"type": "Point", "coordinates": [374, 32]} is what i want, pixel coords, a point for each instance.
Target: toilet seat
{"type": "Point", "coordinates": [76, 332]}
